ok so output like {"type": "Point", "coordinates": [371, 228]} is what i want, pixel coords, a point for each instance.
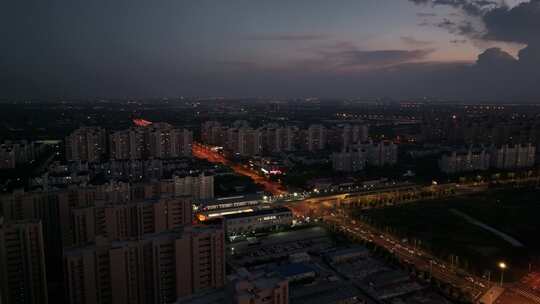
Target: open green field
{"type": "Point", "coordinates": [439, 227]}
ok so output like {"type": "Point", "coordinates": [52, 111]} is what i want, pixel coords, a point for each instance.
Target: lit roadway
{"type": "Point", "coordinates": [324, 207]}
{"type": "Point", "coordinates": [406, 252]}
{"type": "Point", "coordinates": [204, 152]}
{"type": "Point", "coordinates": [421, 260]}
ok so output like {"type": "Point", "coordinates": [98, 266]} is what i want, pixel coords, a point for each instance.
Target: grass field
{"type": "Point", "coordinates": [439, 230]}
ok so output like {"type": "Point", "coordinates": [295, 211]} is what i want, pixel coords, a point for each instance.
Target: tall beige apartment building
{"type": "Point", "coordinates": [22, 263]}
{"type": "Point", "coordinates": [158, 268]}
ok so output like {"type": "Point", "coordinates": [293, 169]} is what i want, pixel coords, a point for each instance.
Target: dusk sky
{"type": "Point", "coordinates": [341, 48]}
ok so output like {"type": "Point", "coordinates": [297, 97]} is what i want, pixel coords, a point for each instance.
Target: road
{"type": "Point", "coordinates": [423, 261]}
{"type": "Point", "coordinates": [207, 153]}
{"type": "Point", "coordinates": [407, 253]}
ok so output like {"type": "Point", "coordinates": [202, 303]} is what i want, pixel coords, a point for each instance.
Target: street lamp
{"type": "Point", "coordinates": [502, 266]}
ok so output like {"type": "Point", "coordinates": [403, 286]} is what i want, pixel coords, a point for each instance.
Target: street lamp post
{"type": "Point", "coordinates": [502, 266]}
{"type": "Point", "coordinates": [430, 269]}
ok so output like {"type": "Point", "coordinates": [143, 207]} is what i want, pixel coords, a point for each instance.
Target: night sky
{"type": "Point", "coordinates": [453, 49]}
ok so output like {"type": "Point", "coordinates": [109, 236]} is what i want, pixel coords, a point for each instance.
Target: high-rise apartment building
{"type": "Point", "coordinates": [510, 157]}
{"type": "Point", "coordinates": [158, 268]}
{"type": "Point", "coordinates": [14, 153]}
{"type": "Point", "coordinates": [345, 136]}
{"type": "Point", "coordinates": [249, 142]}
{"type": "Point", "coordinates": [206, 269]}
{"type": "Point", "coordinates": [138, 233]}
{"type": "Point", "coordinates": [128, 144]}
{"type": "Point", "coordinates": [380, 154]}
{"type": "Point", "coordinates": [212, 133]}
{"type": "Point", "coordinates": [465, 161]}
{"type": "Point", "coordinates": [316, 138]}
{"type": "Point", "coordinates": [130, 220]}
{"type": "Point", "coordinates": [278, 139]}
{"type": "Point", "coordinates": [165, 141]}
{"type": "Point", "coordinates": [86, 144]}
{"type": "Point", "coordinates": [52, 208]}
{"type": "Point", "coordinates": [199, 187]}
{"type": "Point", "coordinates": [244, 141]}
{"type": "Point", "coordinates": [354, 134]}
{"type": "Point", "coordinates": [22, 263]}
{"type": "Point", "coordinates": [353, 160]}
{"type": "Point", "coordinates": [7, 157]}
{"type": "Point", "coordinates": [287, 137]}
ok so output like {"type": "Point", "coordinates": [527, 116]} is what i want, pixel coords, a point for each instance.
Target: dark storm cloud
{"type": "Point", "coordinates": [496, 71]}
{"type": "Point", "coordinates": [518, 24]}
{"type": "Point", "coordinates": [457, 27]}
{"type": "Point", "coordinates": [495, 57]}
{"type": "Point", "coordinates": [471, 7]}
{"type": "Point", "coordinates": [495, 76]}
{"type": "Point", "coordinates": [426, 15]}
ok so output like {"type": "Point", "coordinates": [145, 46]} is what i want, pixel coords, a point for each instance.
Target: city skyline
{"type": "Point", "coordinates": [255, 152]}
{"type": "Point", "coordinates": [236, 201]}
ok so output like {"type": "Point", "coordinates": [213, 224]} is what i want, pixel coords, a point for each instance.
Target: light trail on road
{"type": "Point", "coordinates": [204, 152]}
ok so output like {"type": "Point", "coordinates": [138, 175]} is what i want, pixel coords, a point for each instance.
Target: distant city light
{"type": "Point", "coordinates": [141, 122]}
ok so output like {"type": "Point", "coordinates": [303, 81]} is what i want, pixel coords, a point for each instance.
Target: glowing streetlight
{"type": "Point", "coordinates": [502, 266]}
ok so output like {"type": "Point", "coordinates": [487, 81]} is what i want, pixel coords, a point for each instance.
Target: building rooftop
{"type": "Point", "coordinates": [294, 269]}
{"type": "Point", "coordinates": [259, 212]}
{"type": "Point", "coordinates": [383, 279]}
{"type": "Point", "coordinates": [179, 233]}
{"type": "Point", "coordinates": [348, 251]}
{"type": "Point", "coordinates": [232, 199]}
{"type": "Point", "coordinates": [324, 292]}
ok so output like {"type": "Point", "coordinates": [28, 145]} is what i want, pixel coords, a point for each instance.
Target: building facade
{"type": "Point", "coordinates": [165, 141]}
{"type": "Point", "coordinates": [128, 144]}
{"type": "Point", "coordinates": [257, 220]}
{"type": "Point", "coordinates": [22, 263]}
{"type": "Point", "coordinates": [199, 187]}
{"type": "Point", "coordinates": [132, 220]}
{"type": "Point", "coordinates": [380, 154]}
{"type": "Point", "coordinates": [86, 144]}
{"type": "Point", "coordinates": [258, 288]}
{"type": "Point", "coordinates": [158, 268]}
{"type": "Point", "coordinates": [465, 161]}
{"type": "Point", "coordinates": [349, 161]}
{"type": "Point", "coordinates": [315, 138]}
{"type": "Point", "coordinates": [14, 153]}
{"type": "Point", "coordinates": [510, 157]}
